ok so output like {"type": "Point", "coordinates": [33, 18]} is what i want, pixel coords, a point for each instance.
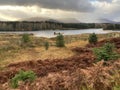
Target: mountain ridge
{"type": "Point", "coordinates": [59, 20]}
{"type": "Point", "coordinates": [67, 20]}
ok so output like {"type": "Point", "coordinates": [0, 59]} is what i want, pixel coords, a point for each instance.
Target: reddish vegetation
{"type": "Point", "coordinates": [66, 74]}
{"type": "Point", "coordinates": [42, 68]}
{"type": "Point", "coordinates": [80, 50]}
{"type": "Point", "coordinates": [116, 41]}
{"type": "Point", "coordinates": [97, 77]}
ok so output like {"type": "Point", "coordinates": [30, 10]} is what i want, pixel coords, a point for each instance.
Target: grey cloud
{"type": "Point", "coordinates": [70, 5]}
{"type": "Point", "coordinates": [111, 12]}
{"type": "Point", "coordinates": [105, 1]}
{"type": "Point", "coordinates": [83, 9]}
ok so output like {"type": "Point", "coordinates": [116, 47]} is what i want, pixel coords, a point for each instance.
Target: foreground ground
{"type": "Point", "coordinates": [69, 68]}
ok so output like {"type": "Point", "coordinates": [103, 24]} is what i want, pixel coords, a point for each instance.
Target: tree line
{"type": "Point", "coordinates": [109, 26]}
{"type": "Point", "coordinates": [48, 25]}
{"type": "Point", "coordinates": [29, 26]}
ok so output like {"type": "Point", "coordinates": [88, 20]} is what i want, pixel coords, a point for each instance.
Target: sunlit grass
{"type": "Point", "coordinates": [11, 50]}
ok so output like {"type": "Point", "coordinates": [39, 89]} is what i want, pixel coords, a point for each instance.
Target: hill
{"type": "Point", "coordinates": [62, 20]}
{"type": "Point", "coordinates": [105, 20]}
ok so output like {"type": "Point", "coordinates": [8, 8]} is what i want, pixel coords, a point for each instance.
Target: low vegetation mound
{"type": "Point", "coordinates": [96, 77]}
{"type": "Point", "coordinates": [116, 42]}
{"type": "Point", "coordinates": [80, 50]}
{"type": "Point", "coordinates": [106, 52]}
{"type": "Point", "coordinates": [42, 68]}
{"type": "Point", "coordinates": [22, 76]}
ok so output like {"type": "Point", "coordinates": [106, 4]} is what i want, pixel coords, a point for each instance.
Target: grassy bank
{"type": "Point", "coordinates": [12, 50]}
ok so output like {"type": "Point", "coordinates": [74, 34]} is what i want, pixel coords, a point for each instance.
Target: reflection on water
{"type": "Point", "coordinates": [50, 33]}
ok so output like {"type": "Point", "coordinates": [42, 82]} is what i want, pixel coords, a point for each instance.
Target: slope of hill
{"type": "Point", "coordinates": [68, 20]}
{"type": "Point", "coordinates": [35, 19]}
{"type": "Point", "coordinates": [104, 20]}
{"type": "Point", "coordinates": [62, 20]}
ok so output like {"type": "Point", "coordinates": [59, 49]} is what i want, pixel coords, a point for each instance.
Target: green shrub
{"type": "Point", "coordinates": [107, 52]}
{"type": "Point", "coordinates": [93, 38]}
{"type": "Point", "coordinates": [46, 45]}
{"type": "Point", "coordinates": [22, 76]}
{"type": "Point", "coordinates": [25, 38]}
{"type": "Point", "coordinates": [116, 80]}
{"type": "Point", "coordinates": [116, 88]}
{"type": "Point", "coordinates": [60, 41]}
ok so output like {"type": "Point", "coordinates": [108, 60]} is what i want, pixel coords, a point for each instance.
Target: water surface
{"type": "Point", "coordinates": [50, 33]}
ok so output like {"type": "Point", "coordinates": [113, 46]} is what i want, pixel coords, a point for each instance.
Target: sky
{"type": "Point", "coordinates": [83, 10]}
